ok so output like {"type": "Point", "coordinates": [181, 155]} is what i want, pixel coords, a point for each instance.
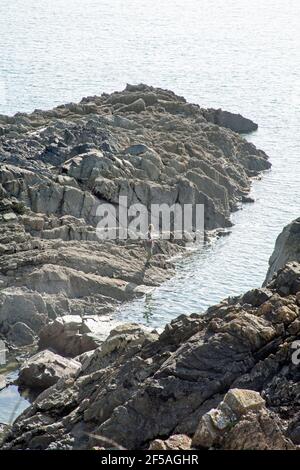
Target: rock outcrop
{"type": "Point", "coordinates": [235, 122]}
{"type": "Point", "coordinates": [58, 166]}
{"type": "Point", "coordinates": [287, 248]}
{"type": "Point", "coordinates": [235, 367]}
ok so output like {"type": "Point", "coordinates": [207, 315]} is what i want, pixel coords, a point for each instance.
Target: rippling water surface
{"type": "Point", "coordinates": [242, 56]}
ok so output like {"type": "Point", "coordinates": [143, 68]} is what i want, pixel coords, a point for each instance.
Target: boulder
{"type": "Point", "coordinates": [68, 336]}
{"type": "Point", "coordinates": [21, 335]}
{"type": "Point", "coordinates": [233, 121]}
{"type": "Point", "coordinates": [242, 401]}
{"type": "Point", "coordinates": [287, 248]}
{"type": "Point", "coordinates": [241, 422]}
{"type": "Point", "coordinates": [176, 442]}
{"type": "Point", "coordinates": [44, 369]}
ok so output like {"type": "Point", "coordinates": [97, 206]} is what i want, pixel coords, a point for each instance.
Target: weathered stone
{"type": "Point", "coordinates": [21, 335]}
{"type": "Point", "coordinates": [68, 336]}
{"type": "Point", "coordinates": [235, 122]}
{"type": "Point", "coordinates": [2, 382]}
{"type": "Point", "coordinates": [286, 249]}
{"type": "Point", "coordinates": [44, 369]}
{"type": "Point", "coordinates": [257, 431]}
{"type": "Point", "coordinates": [242, 401]}
{"type": "Point", "coordinates": [176, 442]}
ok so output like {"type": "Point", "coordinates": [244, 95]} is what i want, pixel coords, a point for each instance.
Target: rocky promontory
{"type": "Point", "coordinates": [57, 166]}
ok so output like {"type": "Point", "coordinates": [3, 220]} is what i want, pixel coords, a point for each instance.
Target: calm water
{"type": "Point", "coordinates": [242, 56]}
{"type": "Point", "coordinates": [11, 402]}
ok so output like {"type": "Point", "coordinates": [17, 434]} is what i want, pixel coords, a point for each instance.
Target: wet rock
{"type": "Point", "coordinates": [44, 369]}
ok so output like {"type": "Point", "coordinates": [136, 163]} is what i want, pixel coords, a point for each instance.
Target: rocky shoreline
{"type": "Point", "coordinates": [56, 168]}
{"type": "Point", "coordinates": [228, 379]}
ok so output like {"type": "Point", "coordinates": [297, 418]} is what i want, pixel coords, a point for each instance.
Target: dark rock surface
{"type": "Point", "coordinates": [287, 248]}
{"type": "Point", "coordinates": [235, 122]}
{"type": "Point", "coordinates": [44, 369]}
{"type": "Point", "coordinates": [139, 386]}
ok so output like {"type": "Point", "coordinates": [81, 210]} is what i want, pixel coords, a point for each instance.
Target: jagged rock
{"type": "Point", "coordinates": [4, 428]}
{"type": "Point", "coordinates": [257, 431]}
{"type": "Point", "coordinates": [137, 107]}
{"type": "Point", "coordinates": [21, 335]}
{"type": "Point", "coordinates": [287, 280]}
{"type": "Point", "coordinates": [176, 442]}
{"type": "Point", "coordinates": [256, 297]}
{"type": "Point", "coordinates": [218, 421]}
{"type": "Point", "coordinates": [241, 422]}
{"type": "Point", "coordinates": [68, 336]}
{"type": "Point", "coordinates": [140, 385]}
{"type": "Point", "coordinates": [235, 122]}
{"type": "Point", "coordinates": [287, 248]}
{"type": "Point", "coordinates": [44, 369]}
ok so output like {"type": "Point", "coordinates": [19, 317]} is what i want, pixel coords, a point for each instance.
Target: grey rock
{"type": "Point", "coordinates": [21, 335]}
{"type": "Point", "coordinates": [287, 248]}
{"type": "Point", "coordinates": [235, 122]}
{"type": "Point", "coordinates": [44, 369]}
{"type": "Point", "coordinates": [68, 336]}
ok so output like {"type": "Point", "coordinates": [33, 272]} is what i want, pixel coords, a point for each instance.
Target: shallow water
{"type": "Point", "coordinates": [12, 404]}
{"type": "Point", "coordinates": [241, 56]}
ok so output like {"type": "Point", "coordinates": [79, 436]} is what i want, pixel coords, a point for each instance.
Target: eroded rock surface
{"type": "Point", "coordinates": [139, 387]}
